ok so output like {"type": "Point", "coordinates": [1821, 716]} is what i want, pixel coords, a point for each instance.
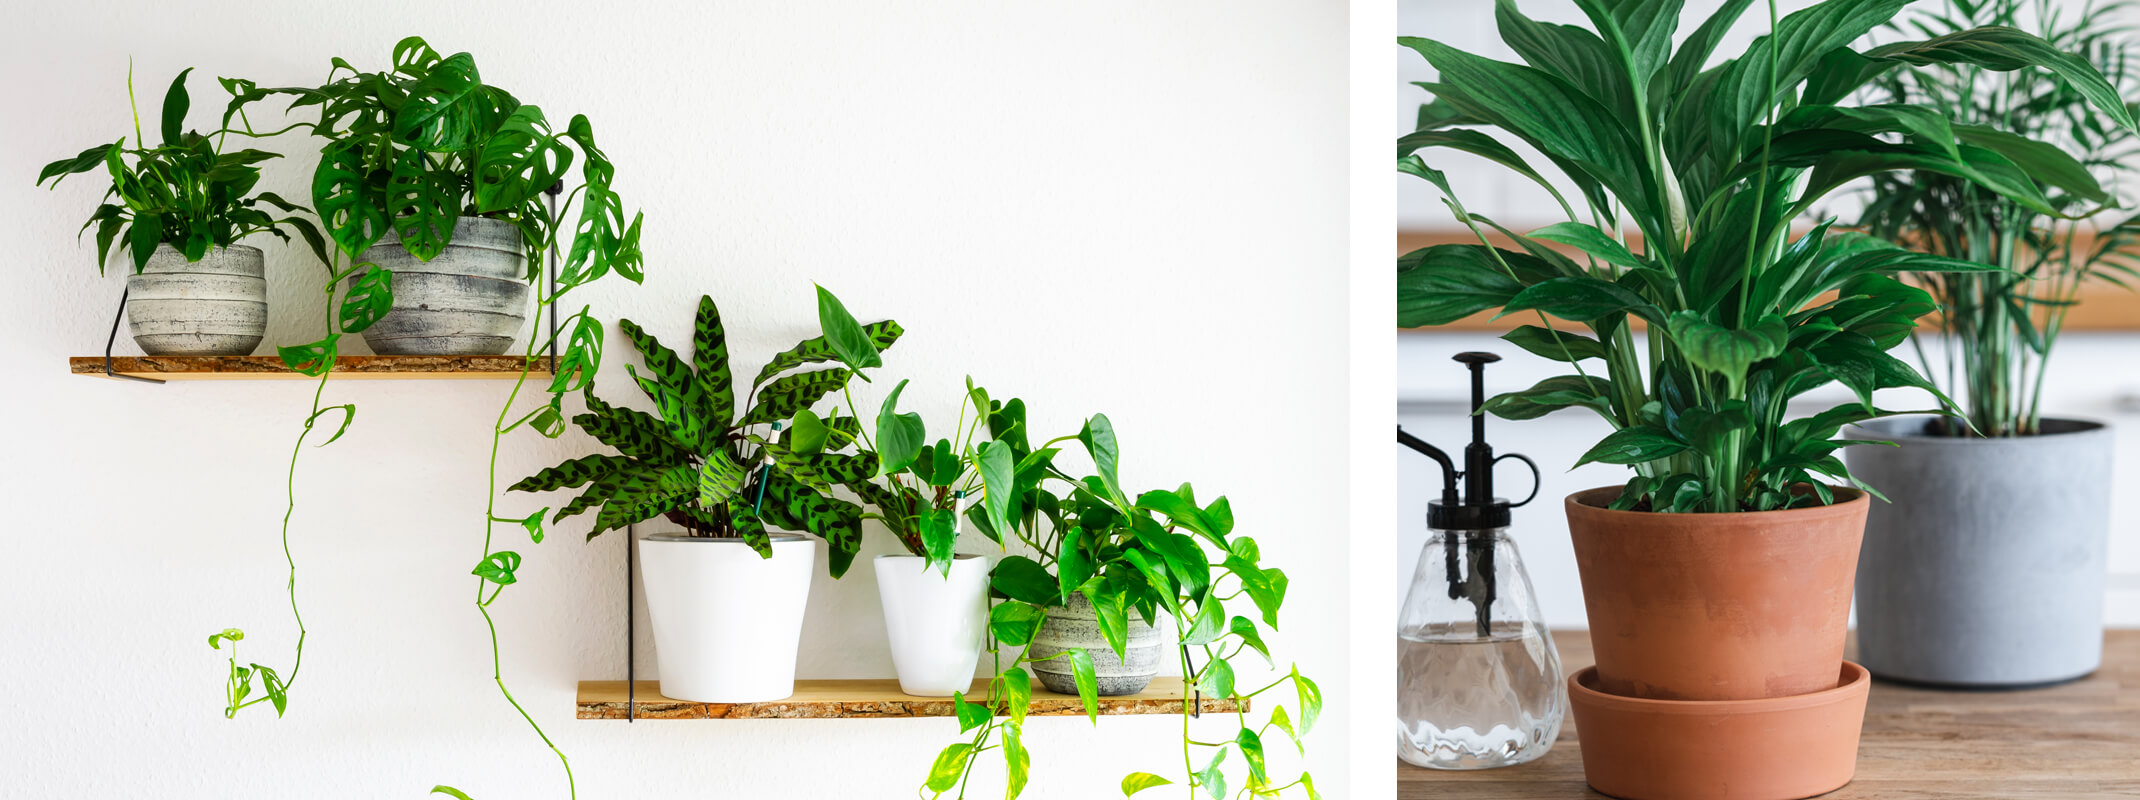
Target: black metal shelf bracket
{"type": "Point", "coordinates": [114, 337]}
{"type": "Point", "coordinates": [631, 659]}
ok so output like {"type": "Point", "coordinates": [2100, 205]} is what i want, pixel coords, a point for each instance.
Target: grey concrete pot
{"type": "Point", "coordinates": [216, 306]}
{"type": "Point", "coordinates": [469, 301]}
{"type": "Point", "coordinates": [1987, 569]}
{"type": "Point", "coordinates": [1078, 626]}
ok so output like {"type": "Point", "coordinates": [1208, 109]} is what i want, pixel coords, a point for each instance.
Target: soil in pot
{"type": "Point", "coordinates": [727, 622]}
{"type": "Point", "coordinates": [216, 306]}
{"type": "Point", "coordinates": [1987, 569]}
{"type": "Point", "coordinates": [1078, 626]}
{"type": "Point", "coordinates": [934, 622]}
{"type": "Point", "coordinates": [470, 300]}
{"type": "Point", "coordinates": [1716, 606]}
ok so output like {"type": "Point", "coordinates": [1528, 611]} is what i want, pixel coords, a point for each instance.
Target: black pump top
{"type": "Point", "coordinates": [1478, 508]}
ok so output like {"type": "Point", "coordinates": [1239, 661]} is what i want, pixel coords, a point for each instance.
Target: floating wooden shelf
{"type": "Point", "coordinates": [837, 699]}
{"type": "Point", "coordinates": [261, 368]}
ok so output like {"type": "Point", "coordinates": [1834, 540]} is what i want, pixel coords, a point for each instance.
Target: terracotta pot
{"type": "Point", "coordinates": [1782, 748]}
{"type": "Point", "coordinates": [1733, 606]}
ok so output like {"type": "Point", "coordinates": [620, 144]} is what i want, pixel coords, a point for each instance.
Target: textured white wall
{"type": "Point", "coordinates": [1126, 207]}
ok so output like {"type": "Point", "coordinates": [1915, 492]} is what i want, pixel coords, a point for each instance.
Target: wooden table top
{"type": "Point", "coordinates": [2079, 741]}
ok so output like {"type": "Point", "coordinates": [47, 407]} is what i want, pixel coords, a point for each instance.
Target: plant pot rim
{"type": "Point", "coordinates": [777, 538]}
{"type": "Point", "coordinates": [954, 557]}
{"type": "Point", "coordinates": [1593, 502]}
{"type": "Point", "coordinates": [162, 246]}
{"type": "Point", "coordinates": [1853, 679]}
{"type": "Point", "coordinates": [1873, 430]}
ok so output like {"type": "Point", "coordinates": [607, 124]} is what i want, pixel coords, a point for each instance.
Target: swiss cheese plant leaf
{"type": "Point", "coordinates": [709, 359]}
{"type": "Point", "coordinates": [424, 204]}
{"type": "Point", "coordinates": [350, 208]}
{"type": "Point", "coordinates": [313, 359]}
{"type": "Point", "coordinates": [519, 161]}
{"type": "Point", "coordinates": [498, 567]}
{"type": "Point", "coordinates": [816, 350]}
{"type": "Point", "coordinates": [582, 358]}
{"type": "Point", "coordinates": [446, 111]}
{"type": "Point", "coordinates": [370, 297]}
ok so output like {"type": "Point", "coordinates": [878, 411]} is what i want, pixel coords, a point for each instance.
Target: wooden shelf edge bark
{"type": "Point", "coordinates": [2103, 306]}
{"type": "Point", "coordinates": [224, 368]}
{"type": "Point", "coordinates": [863, 699]}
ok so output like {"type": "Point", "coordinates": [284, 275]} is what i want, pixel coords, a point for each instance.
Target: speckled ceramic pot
{"type": "Point", "coordinates": [469, 301]}
{"type": "Point", "coordinates": [1078, 626]}
{"type": "Point", "coordinates": [216, 306]}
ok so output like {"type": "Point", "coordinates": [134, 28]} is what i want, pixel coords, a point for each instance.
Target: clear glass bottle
{"type": "Point", "coordinates": [1478, 681]}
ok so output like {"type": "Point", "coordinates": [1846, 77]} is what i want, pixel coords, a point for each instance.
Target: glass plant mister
{"type": "Point", "coordinates": [1478, 680]}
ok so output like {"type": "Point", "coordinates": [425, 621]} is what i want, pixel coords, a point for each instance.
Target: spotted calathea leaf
{"type": "Point", "coordinates": [818, 471]}
{"type": "Point", "coordinates": [748, 525]}
{"type": "Point", "coordinates": [633, 432]}
{"type": "Point", "coordinates": [571, 473]}
{"type": "Point", "coordinates": [793, 506]}
{"type": "Point", "coordinates": [709, 358]}
{"type": "Point", "coordinates": [720, 479]}
{"type": "Point", "coordinates": [688, 427]}
{"type": "Point", "coordinates": [817, 350]}
{"type": "Point", "coordinates": [633, 493]}
{"type": "Point", "coordinates": [671, 373]}
{"type": "Point", "coordinates": [780, 399]}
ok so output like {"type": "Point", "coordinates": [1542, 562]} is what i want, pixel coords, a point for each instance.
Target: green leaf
{"type": "Point", "coordinates": [582, 358]}
{"type": "Point", "coordinates": [949, 767]}
{"type": "Point", "coordinates": [1111, 614]}
{"type": "Point", "coordinates": [1013, 623]}
{"type": "Point", "coordinates": [89, 159]}
{"type": "Point", "coordinates": [1252, 749]}
{"type": "Point", "coordinates": [1246, 629]}
{"type": "Point", "coordinates": [720, 479]}
{"type": "Point", "coordinates": [1017, 762]}
{"type": "Point", "coordinates": [1589, 239]}
{"type": "Point", "coordinates": [844, 335]}
{"type": "Point", "coordinates": [1216, 679]}
{"type": "Point", "coordinates": [1099, 438]}
{"type": "Point", "coordinates": [1139, 781]}
{"type": "Point", "coordinates": [1023, 579]}
{"type": "Point", "coordinates": [1017, 693]}
{"type": "Point", "coordinates": [350, 207]}
{"type": "Point", "coordinates": [1213, 781]}
{"type": "Point", "coordinates": [1562, 346]}
{"type": "Point", "coordinates": [1284, 722]}
{"type": "Point", "coordinates": [448, 790]}
{"type": "Point", "coordinates": [370, 297]}
{"type": "Point", "coordinates": [1582, 299]}
{"type": "Point", "coordinates": [783, 398]}
{"type": "Point", "coordinates": [349, 414]}
{"type": "Point", "coordinates": [175, 103]}
{"type": "Point", "coordinates": [817, 350]}
{"type": "Point", "coordinates": [498, 567]}
{"type": "Point", "coordinates": [971, 715]}
{"type": "Point", "coordinates": [232, 635]}
{"type": "Point", "coordinates": [809, 435]}
{"type": "Point", "coordinates": [1088, 684]}
{"type": "Point", "coordinates": [146, 233]}
{"type": "Point", "coordinates": [1634, 444]}
{"type": "Point", "coordinates": [1553, 394]}
{"type": "Point", "coordinates": [939, 537]}
{"type": "Point", "coordinates": [446, 110]}
{"type": "Point", "coordinates": [313, 359]}
{"type": "Point", "coordinates": [423, 203]}
{"type": "Point", "coordinates": [709, 359]}
{"type": "Point", "coordinates": [1727, 351]}
{"type": "Point", "coordinates": [900, 437]}
{"type": "Point", "coordinates": [519, 161]}
{"type": "Point", "coordinates": [999, 482]}
{"type": "Point", "coordinates": [1445, 283]}
{"type": "Point", "coordinates": [1072, 566]}
{"type": "Point", "coordinates": [1311, 700]}
{"type": "Point", "coordinates": [2002, 49]}
{"type": "Point", "coordinates": [1210, 622]}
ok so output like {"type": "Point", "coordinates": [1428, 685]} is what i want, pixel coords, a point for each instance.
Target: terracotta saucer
{"type": "Point", "coordinates": [1779, 748]}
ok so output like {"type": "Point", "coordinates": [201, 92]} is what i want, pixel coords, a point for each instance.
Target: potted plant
{"type": "Point", "coordinates": [1988, 568]}
{"type": "Point", "coordinates": [179, 210]}
{"type": "Point", "coordinates": [1130, 564]}
{"type": "Point", "coordinates": [456, 170]}
{"type": "Point", "coordinates": [1721, 572]}
{"type": "Point", "coordinates": [740, 488]}
{"type": "Point", "coordinates": [935, 599]}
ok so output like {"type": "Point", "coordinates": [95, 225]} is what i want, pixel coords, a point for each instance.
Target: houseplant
{"type": "Point", "coordinates": [935, 599]}
{"type": "Point", "coordinates": [455, 169]}
{"type": "Point", "coordinates": [1988, 569]}
{"type": "Point", "coordinates": [726, 473]}
{"type": "Point", "coordinates": [1710, 165]}
{"type": "Point", "coordinates": [1158, 557]}
{"type": "Point", "coordinates": [179, 210]}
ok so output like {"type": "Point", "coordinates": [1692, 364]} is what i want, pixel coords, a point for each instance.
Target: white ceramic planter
{"type": "Point", "coordinates": [726, 622]}
{"type": "Point", "coordinates": [216, 306]}
{"type": "Point", "coordinates": [935, 622]}
{"type": "Point", "coordinates": [469, 301]}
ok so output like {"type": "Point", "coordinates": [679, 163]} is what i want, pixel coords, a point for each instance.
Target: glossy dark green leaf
{"type": "Point", "coordinates": [175, 104]}
{"type": "Point", "coordinates": [1553, 394]}
{"type": "Point", "coordinates": [89, 159]}
{"type": "Point", "coordinates": [900, 437]}
{"type": "Point", "coordinates": [1445, 283]}
{"type": "Point", "coordinates": [999, 482]}
{"type": "Point", "coordinates": [1583, 299]}
{"type": "Point", "coordinates": [1724, 350]}
{"type": "Point", "coordinates": [844, 335]}
{"type": "Point", "coordinates": [446, 110]}
{"type": "Point", "coordinates": [1023, 579]}
{"type": "Point", "coordinates": [350, 209]}
{"type": "Point", "coordinates": [1588, 239]}
{"type": "Point", "coordinates": [1634, 444]}
{"type": "Point", "coordinates": [369, 297]}
{"type": "Point", "coordinates": [313, 359]}
{"type": "Point", "coordinates": [1557, 345]}
{"type": "Point", "coordinates": [518, 161]}
{"type": "Point", "coordinates": [1088, 683]}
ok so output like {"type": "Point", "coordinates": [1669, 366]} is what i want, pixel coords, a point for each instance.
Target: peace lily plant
{"type": "Point", "coordinates": [1710, 165]}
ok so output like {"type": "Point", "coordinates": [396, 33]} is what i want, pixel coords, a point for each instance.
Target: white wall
{"type": "Point", "coordinates": [1126, 207]}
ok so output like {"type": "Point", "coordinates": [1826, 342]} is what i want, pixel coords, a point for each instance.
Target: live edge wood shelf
{"type": "Point", "coordinates": [2078, 741]}
{"type": "Point", "coordinates": [861, 699]}
{"type": "Point", "coordinates": [267, 368]}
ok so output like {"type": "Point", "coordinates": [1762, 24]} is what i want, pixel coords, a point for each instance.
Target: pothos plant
{"type": "Point", "coordinates": [1159, 556]}
{"type": "Point", "coordinates": [696, 461]}
{"type": "Point", "coordinates": [186, 191]}
{"type": "Point", "coordinates": [411, 149]}
{"type": "Point", "coordinates": [1999, 327]}
{"type": "Point", "coordinates": [1710, 164]}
